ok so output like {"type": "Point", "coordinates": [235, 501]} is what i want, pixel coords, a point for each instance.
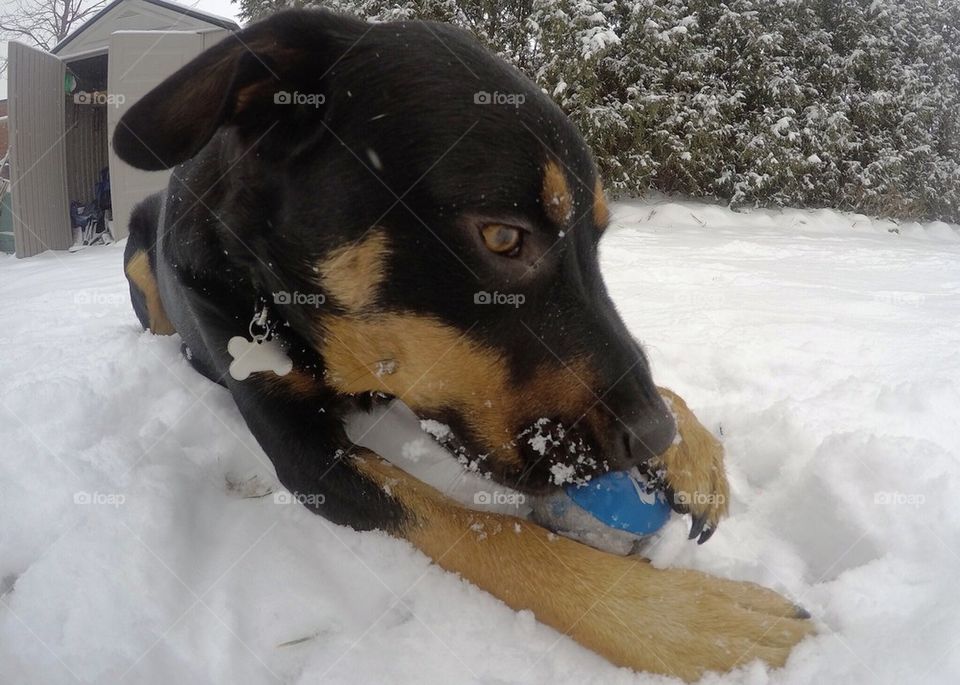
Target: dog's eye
{"type": "Point", "coordinates": [504, 240]}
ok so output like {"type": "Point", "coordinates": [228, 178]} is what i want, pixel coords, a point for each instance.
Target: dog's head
{"type": "Point", "coordinates": [434, 219]}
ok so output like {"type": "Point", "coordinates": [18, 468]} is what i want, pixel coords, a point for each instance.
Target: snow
{"type": "Point", "coordinates": [141, 544]}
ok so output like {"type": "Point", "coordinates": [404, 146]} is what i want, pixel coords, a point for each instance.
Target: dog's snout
{"type": "Point", "coordinates": [643, 425]}
{"type": "Point", "coordinates": [645, 429]}
{"type": "Point", "coordinates": [649, 437]}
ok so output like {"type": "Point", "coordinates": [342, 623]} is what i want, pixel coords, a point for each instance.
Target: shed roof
{"type": "Point", "coordinates": [137, 15]}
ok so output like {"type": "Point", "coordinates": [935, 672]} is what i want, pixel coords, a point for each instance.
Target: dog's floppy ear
{"type": "Point", "coordinates": [243, 80]}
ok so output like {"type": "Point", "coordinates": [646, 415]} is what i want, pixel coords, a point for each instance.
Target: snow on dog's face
{"type": "Point", "coordinates": [437, 219]}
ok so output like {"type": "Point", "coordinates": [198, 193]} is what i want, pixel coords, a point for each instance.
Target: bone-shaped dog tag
{"type": "Point", "coordinates": [250, 356]}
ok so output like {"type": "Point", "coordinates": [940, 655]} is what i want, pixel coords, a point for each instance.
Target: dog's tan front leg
{"type": "Point", "coordinates": [676, 622]}
{"type": "Point", "coordinates": [694, 470]}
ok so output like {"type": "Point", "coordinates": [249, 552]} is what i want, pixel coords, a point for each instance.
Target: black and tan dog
{"type": "Point", "coordinates": [374, 184]}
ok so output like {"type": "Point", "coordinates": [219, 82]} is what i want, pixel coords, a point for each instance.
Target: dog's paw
{"type": "Point", "coordinates": [696, 481]}
{"type": "Point", "coordinates": [684, 623]}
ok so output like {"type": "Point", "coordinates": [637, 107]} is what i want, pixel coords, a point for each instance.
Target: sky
{"type": "Point", "coordinates": [224, 8]}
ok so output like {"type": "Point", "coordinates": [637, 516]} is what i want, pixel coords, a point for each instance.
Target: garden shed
{"type": "Point", "coordinates": [64, 105]}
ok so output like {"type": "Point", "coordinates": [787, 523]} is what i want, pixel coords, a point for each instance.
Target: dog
{"type": "Point", "coordinates": [409, 217]}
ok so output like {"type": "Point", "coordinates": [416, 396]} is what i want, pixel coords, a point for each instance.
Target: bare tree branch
{"type": "Point", "coordinates": [44, 23]}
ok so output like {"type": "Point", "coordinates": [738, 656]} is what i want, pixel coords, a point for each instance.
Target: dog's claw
{"type": "Point", "coordinates": [706, 535]}
{"type": "Point", "coordinates": [698, 523]}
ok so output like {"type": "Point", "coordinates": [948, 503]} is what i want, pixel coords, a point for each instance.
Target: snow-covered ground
{"type": "Point", "coordinates": [826, 348]}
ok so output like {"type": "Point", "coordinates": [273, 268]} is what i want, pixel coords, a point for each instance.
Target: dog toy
{"type": "Point", "coordinates": [614, 511]}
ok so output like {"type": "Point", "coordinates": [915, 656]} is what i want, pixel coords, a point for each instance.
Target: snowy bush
{"type": "Point", "coordinates": [853, 104]}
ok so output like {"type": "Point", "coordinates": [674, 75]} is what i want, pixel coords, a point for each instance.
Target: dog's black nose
{"type": "Point", "coordinates": [648, 437]}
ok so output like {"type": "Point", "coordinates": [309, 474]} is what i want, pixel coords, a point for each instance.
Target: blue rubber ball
{"type": "Point", "coordinates": [619, 500]}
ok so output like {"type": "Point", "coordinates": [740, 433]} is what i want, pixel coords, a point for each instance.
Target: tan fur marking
{"type": "Point", "coordinates": [671, 621]}
{"type": "Point", "coordinates": [352, 274]}
{"type": "Point", "coordinates": [141, 275]}
{"type": "Point", "coordinates": [555, 195]}
{"type": "Point", "coordinates": [251, 94]}
{"type": "Point", "coordinates": [601, 213]}
{"type": "Point", "coordinates": [437, 367]}
{"type": "Point", "coordinates": [695, 465]}
{"type": "Point", "coordinates": [298, 383]}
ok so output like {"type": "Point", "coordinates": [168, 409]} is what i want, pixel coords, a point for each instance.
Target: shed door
{"type": "Point", "coordinates": [38, 160]}
{"type": "Point", "coordinates": [139, 61]}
